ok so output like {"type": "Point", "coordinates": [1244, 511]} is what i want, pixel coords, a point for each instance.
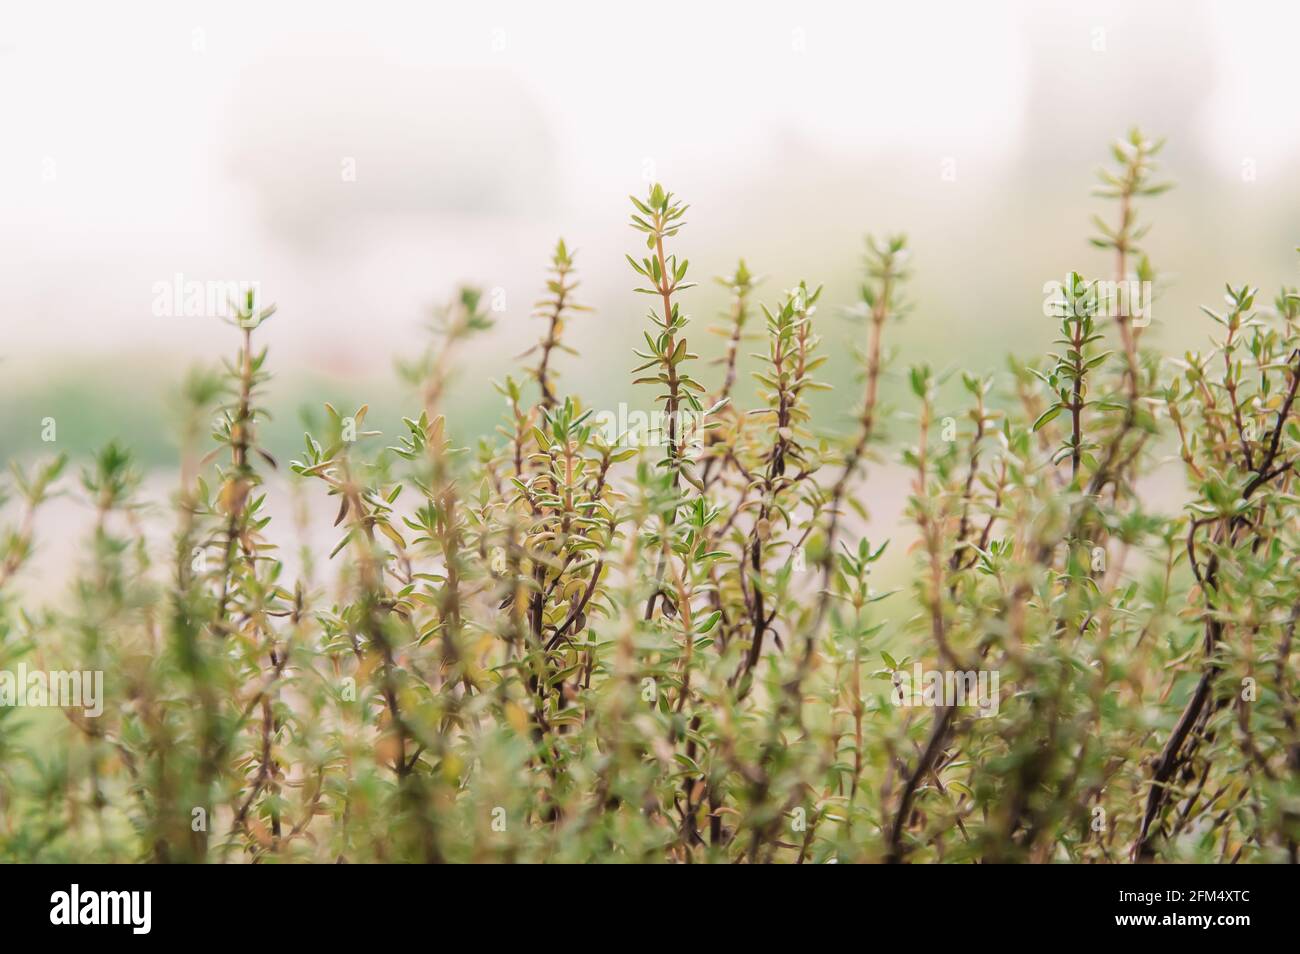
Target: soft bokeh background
{"type": "Point", "coordinates": [212, 140]}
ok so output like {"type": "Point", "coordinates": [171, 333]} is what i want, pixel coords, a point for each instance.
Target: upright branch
{"type": "Point", "coordinates": [427, 445]}
{"type": "Point", "coordinates": [880, 301]}
{"type": "Point", "coordinates": [248, 597]}
{"type": "Point", "coordinates": [1135, 157]}
{"type": "Point", "coordinates": [740, 284]}
{"type": "Point", "coordinates": [237, 432]}
{"type": "Point", "coordinates": [554, 309]}
{"type": "Point", "coordinates": [1068, 377]}
{"type": "Point", "coordinates": [785, 381]}
{"type": "Point", "coordinates": [659, 217]}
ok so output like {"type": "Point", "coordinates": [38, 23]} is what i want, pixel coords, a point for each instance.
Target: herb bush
{"type": "Point", "coordinates": [570, 645]}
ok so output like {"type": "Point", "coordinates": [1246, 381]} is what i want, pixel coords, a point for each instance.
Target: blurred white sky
{"type": "Point", "coordinates": [148, 139]}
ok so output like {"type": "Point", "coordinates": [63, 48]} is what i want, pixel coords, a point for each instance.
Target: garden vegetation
{"type": "Point", "coordinates": [564, 645]}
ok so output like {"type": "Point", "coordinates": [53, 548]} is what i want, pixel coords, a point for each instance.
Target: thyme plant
{"type": "Point", "coordinates": [568, 643]}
